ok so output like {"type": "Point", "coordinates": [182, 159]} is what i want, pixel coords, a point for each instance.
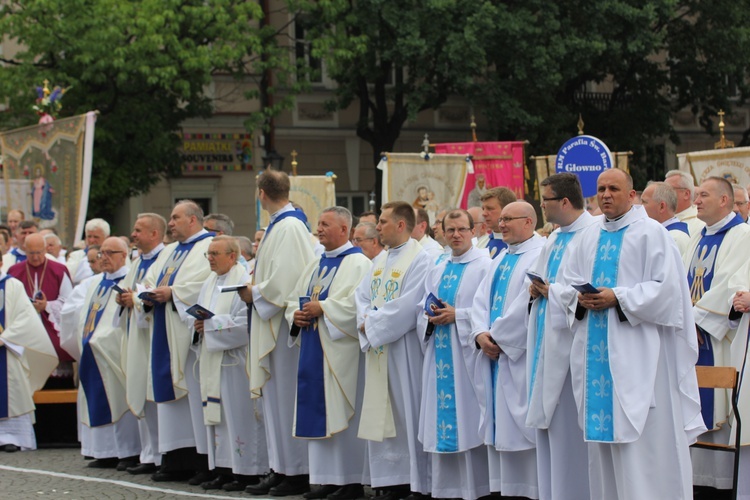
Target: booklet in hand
{"type": "Point", "coordinates": [431, 304]}
{"type": "Point", "coordinates": [303, 300]}
{"type": "Point", "coordinates": [535, 277]}
{"type": "Point", "coordinates": [231, 288]}
{"type": "Point", "coordinates": [199, 312]}
{"type": "Point", "coordinates": [147, 295]}
{"type": "Point", "coordinates": [586, 288]}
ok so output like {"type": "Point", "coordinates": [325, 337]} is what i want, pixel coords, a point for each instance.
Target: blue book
{"type": "Point", "coordinates": [431, 304]}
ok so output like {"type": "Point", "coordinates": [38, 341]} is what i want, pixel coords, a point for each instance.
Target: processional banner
{"type": "Point", "coordinates": [313, 193]}
{"type": "Point", "coordinates": [730, 164]}
{"type": "Point", "coordinates": [47, 173]}
{"type": "Point", "coordinates": [496, 164]}
{"type": "Point", "coordinates": [433, 181]}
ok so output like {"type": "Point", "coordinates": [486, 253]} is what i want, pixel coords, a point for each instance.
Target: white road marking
{"type": "Point", "coordinates": [124, 484]}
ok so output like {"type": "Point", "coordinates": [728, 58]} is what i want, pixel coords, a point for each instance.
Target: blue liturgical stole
{"type": "Point", "coordinates": [500, 283]}
{"type": "Point", "coordinates": [19, 256]}
{"type": "Point", "coordinates": [311, 395]}
{"type": "Point", "coordinates": [91, 378]}
{"type": "Point", "coordinates": [495, 246]}
{"type": "Point", "coordinates": [3, 356]}
{"type": "Point", "coordinates": [678, 226]}
{"type": "Point", "coordinates": [553, 266]}
{"type": "Point", "coordinates": [599, 402]}
{"type": "Point", "coordinates": [161, 366]}
{"type": "Point", "coordinates": [447, 417]}
{"type": "Point", "coordinates": [700, 276]}
{"type": "Point", "coordinates": [143, 267]}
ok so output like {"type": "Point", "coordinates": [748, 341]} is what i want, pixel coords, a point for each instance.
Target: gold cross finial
{"type": "Point", "coordinates": [294, 162]}
{"type": "Point", "coordinates": [723, 143]}
{"type": "Point", "coordinates": [580, 124]}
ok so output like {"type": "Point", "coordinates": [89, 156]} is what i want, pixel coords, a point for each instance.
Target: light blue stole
{"type": "Point", "coordinates": [553, 266]}
{"type": "Point", "coordinates": [500, 284]}
{"type": "Point", "coordinates": [447, 417]}
{"type": "Point", "coordinates": [599, 401]}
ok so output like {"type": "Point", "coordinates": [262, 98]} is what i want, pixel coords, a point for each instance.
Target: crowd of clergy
{"type": "Point", "coordinates": [457, 358]}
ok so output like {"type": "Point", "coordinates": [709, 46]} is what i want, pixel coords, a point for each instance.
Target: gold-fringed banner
{"type": "Point", "coordinates": [730, 164]}
{"type": "Point", "coordinates": [313, 193]}
{"type": "Point", "coordinates": [433, 182]}
{"type": "Point", "coordinates": [47, 173]}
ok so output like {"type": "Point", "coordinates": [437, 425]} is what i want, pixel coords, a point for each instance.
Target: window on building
{"type": "Point", "coordinates": [356, 202]}
{"type": "Point", "coordinates": [308, 66]}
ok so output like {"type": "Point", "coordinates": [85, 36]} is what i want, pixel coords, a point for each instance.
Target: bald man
{"type": "Point", "coordinates": [630, 351]}
{"type": "Point", "coordinates": [48, 285]}
{"type": "Point", "coordinates": [499, 329]}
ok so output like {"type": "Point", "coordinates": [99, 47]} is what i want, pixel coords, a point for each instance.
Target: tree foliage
{"type": "Point", "coordinates": [529, 66]}
{"type": "Point", "coordinates": [145, 65]}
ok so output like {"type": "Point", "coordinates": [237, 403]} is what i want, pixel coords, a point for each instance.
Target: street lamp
{"type": "Point", "coordinates": [273, 159]}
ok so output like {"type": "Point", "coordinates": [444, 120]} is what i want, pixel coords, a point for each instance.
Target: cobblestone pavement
{"type": "Point", "coordinates": [62, 474]}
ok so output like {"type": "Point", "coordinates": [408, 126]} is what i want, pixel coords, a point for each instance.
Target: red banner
{"type": "Point", "coordinates": [495, 164]}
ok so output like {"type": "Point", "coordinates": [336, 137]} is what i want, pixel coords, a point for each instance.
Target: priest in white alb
{"type": "Point", "coordinates": [499, 328]}
{"type": "Point", "coordinates": [714, 256]}
{"type": "Point", "coordinates": [330, 371]}
{"type": "Point", "coordinates": [493, 202]}
{"type": "Point", "coordinates": [283, 253]}
{"type": "Point", "coordinates": [148, 233]}
{"type": "Point", "coordinates": [173, 283]}
{"type": "Point", "coordinates": [233, 421]}
{"type": "Point", "coordinates": [633, 359]}
{"type": "Point", "coordinates": [561, 453]}
{"type": "Point", "coordinates": [386, 319]}
{"type": "Point", "coordinates": [27, 357]}
{"type": "Point", "coordinates": [110, 431]}
{"type": "Point", "coordinates": [450, 416]}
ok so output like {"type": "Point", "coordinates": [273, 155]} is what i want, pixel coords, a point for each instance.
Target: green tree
{"type": "Point", "coordinates": [144, 64]}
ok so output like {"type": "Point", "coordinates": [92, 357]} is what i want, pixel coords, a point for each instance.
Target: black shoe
{"type": "Point", "coordinates": [201, 477]}
{"type": "Point", "coordinates": [417, 496]}
{"type": "Point", "coordinates": [264, 486]}
{"type": "Point", "coordinates": [348, 492]}
{"type": "Point", "coordinates": [388, 495]}
{"type": "Point", "coordinates": [173, 477]}
{"type": "Point", "coordinates": [142, 469]}
{"type": "Point", "coordinates": [217, 483]}
{"type": "Point", "coordinates": [291, 486]}
{"type": "Point", "coordinates": [321, 491]}
{"type": "Point", "coordinates": [103, 463]}
{"type": "Point", "coordinates": [10, 448]}
{"type": "Point", "coordinates": [126, 463]}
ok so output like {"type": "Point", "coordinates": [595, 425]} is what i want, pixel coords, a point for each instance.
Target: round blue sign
{"type": "Point", "coordinates": [587, 157]}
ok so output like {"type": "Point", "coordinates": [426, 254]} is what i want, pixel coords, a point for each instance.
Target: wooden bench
{"type": "Point", "coordinates": [55, 396]}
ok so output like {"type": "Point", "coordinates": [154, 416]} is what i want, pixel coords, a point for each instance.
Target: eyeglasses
{"type": "Point", "coordinates": [556, 198]}
{"type": "Point", "coordinates": [453, 230]}
{"type": "Point", "coordinates": [108, 253]}
{"type": "Point", "coordinates": [508, 219]}
{"type": "Point", "coordinates": [360, 240]}
{"type": "Point", "coordinates": [740, 203]}
{"type": "Point", "coordinates": [208, 255]}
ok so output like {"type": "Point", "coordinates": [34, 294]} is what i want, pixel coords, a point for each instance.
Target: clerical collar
{"type": "Point", "coordinates": [582, 220]}
{"type": "Point", "coordinates": [715, 228]}
{"type": "Point", "coordinates": [671, 221]}
{"type": "Point", "coordinates": [525, 245]}
{"type": "Point", "coordinates": [191, 238]}
{"type": "Point", "coordinates": [286, 208]}
{"type": "Point", "coordinates": [468, 255]}
{"type": "Point", "coordinates": [336, 252]}
{"type": "Point", "coordinates": [498, 236]}
{"type": "Point", "coordinates": [117, 274]}
{"type": "Point", "coordinates": [398, 248]}
{"type": "Point", "coordinates": [618, 218]}
{"type": "Point", "coordinates": [150, 255]}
